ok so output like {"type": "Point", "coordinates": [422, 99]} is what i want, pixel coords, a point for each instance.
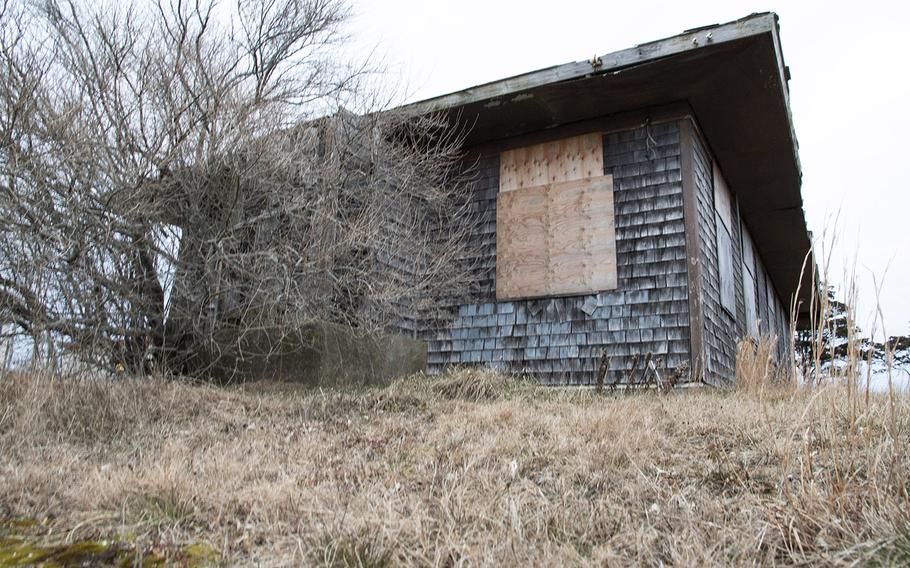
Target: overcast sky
{"type": "Point", "coordinates": [849, 93]}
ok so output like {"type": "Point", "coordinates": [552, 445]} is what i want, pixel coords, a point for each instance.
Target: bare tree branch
{"type": "Point", "coordinates": [182, 190]}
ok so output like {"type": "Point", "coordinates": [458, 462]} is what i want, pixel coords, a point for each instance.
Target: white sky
{"type": "Point", "coordinates": [850, 90]}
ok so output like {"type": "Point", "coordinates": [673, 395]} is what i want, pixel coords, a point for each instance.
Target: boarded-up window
{"type": "Point", "coordinates": [555, 228]}
{"type": "Point", "coordinates": [723, 206]}
{"type": "Point", "coordinates": [723, 201]}
{"type": "Point", "coordinates": [761, 285]}
{"type": "Point", "coordinates": [748, 250]}
{"type": "Point", "coordinates": [749, 285]}
{"type": "Point", "coordinates": [725, 270]}
{"type": "Point", "coordinates": [772, 307]}
{"type": "Point", "coordinates": [751, 306]}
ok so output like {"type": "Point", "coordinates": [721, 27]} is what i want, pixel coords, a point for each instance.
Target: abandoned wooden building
{"type": "Point", "coordinates": [643, 204]}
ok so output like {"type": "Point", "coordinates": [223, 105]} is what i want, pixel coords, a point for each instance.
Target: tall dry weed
{"type": "Point", "coordinates": [758, 368]}
{"type": "Point", "coordinates": [843, 454]}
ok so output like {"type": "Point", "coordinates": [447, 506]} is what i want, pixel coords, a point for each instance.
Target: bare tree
{"type": "Point", "coordinates": [181, 188]}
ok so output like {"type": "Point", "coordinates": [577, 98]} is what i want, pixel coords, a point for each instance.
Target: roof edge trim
{"type": "Point", "coordinates": [752, 25]}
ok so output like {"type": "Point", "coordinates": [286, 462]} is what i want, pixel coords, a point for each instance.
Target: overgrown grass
{"type": "Point", "coordinates": [757, 369]}
{"type": "Point", "coordinates": [470, 467]}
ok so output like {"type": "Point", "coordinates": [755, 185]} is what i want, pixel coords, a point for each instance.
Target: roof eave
{"type": "Point", "coordinates": [690, 40]}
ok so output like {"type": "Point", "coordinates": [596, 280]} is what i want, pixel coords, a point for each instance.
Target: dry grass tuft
{"type": "Point", "coordinates": [477, 385]}
{"type": "Point", "coordinates": [757, 369]}
{"type": "Point", "coordinates": [38, 407]}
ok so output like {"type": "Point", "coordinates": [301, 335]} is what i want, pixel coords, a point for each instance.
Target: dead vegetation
{"type": "Point", "coordinates": [468, 468]}
{"type": "Point", "coordinates": [757, 369]}
{"type": "Point", "coordinates": [186, 187]}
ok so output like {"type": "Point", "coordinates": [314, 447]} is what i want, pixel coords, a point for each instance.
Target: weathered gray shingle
{"type": "Point", "coordinates": [561, 340]}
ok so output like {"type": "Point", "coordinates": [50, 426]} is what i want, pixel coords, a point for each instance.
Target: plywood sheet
{"type": "Point", "coordinates": [723, 200]}
{"type": "Point", "coordinates": [771, 303]}
{"type": "Point", "coordinates": [725, 268]}
{"type": "Point", "coordinates": [748, 250]}
{"type": "Point", "coordinates": [751, 303]}
{"type": "Point", "coordinates": [558, 161]}
{"type": "Point", "coordinates": [556, 239]}
{"type": "Point", "coordinates": [522, 250]}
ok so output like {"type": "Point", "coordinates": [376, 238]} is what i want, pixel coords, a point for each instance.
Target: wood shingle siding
{"type": "Point", "coordinates": [725, 327]}
{"type": "Point", "coordinates": [686, 288]}
{"type": "Point", "coordinates": [719, 325]}
{"type": "Point", "coordinates": [560, 340]}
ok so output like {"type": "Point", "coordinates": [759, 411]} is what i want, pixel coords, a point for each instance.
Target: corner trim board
{"type": "Point", "coordinates": [693, 263]}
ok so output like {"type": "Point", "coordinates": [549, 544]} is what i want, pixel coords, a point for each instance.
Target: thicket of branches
{"type": "Point", "coordinates": [170, 199]}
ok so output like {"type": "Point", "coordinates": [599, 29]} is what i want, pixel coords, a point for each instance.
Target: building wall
{"type": "Point", "coordinates": [561, 340]}
{"type": "Point", "coordinates": [722, 329]}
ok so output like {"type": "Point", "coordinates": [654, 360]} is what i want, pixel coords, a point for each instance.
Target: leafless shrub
{"type": "Point", "coordinates": [168, 200]}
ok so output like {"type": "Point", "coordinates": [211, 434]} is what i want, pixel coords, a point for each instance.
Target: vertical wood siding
{"type": "Point", "coordinates": [560, 340]}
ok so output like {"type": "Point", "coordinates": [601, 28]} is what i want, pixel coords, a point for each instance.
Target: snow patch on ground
{"type": "Point", "coordinates": [879, 376]}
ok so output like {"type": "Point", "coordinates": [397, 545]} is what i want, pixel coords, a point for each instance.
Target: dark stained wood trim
{"type": "Point", "coordinates": [604, 125]}
{"type": "Point", "coordinates": [693, 263]}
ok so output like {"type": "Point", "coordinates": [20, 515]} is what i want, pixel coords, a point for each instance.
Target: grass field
{"type": "Point", "coordinates": [471, 468]}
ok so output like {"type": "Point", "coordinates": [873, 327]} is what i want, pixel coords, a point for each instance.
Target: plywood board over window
{"type": "Point", "coordinates": [772, 306]}
{"type": "Point", "coordinates": [555, 222]}
{"type": "Point", "coordinates": [723, 201]}
{"type": "Point", "coordinates": [725, 271]}
{"type": "Point", "coordinates": [724, 214]}
{"type": "Point", "coordinates": [751, 304]}
{"type": "Point", "coordinates": [569, 159]}
{"type": "Point", "coordinates": [749, 285]}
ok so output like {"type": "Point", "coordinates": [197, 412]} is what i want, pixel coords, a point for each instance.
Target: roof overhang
{"type": "Point", "coordinates": [733, 78]}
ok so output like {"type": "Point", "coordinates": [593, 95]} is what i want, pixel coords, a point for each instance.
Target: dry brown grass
{"type": "Point", "coordinates": [470, 468]}
{"type": "Point", "coordinates": [757, 369]}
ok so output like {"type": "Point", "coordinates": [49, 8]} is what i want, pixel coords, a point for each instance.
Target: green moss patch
{"type": "Point", "coordinates": [23, 544]}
